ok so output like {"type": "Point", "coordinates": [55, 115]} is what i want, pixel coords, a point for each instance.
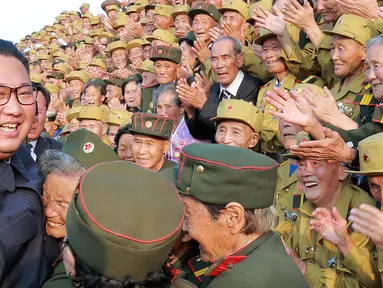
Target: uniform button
{"type": "Point", "coordinates": [341, 265]}
{"type": "Point", "coordinates": [177, 155]}
{"type": "Point", "coordinates": [187, 190]}
{"type": "Point", "coordinates": [200, 169]}
{"type": "Point", "coordinates": [287, 190]}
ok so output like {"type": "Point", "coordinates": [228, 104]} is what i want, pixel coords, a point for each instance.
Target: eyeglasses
{"type": "Point", "coordinates": [26, 95]}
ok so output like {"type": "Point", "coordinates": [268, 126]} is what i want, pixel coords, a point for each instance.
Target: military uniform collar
{"type": "Point", "coordinates": [356, 86]}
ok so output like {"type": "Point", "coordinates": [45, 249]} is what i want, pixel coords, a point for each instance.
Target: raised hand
{"type": "Point", "coordinates": [201, 50]}
{"type": "Point", "coordinates": [266, 20]}
{"type": "Point", "coordinates": [300, 16]}
{"type": "Point", "coordinates": [215, 33]}
{"type": "Point", "coordinates": [191, 95]}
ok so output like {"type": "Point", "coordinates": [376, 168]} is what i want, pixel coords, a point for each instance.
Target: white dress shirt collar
{"type": "Point", "coordinates": [233, 86]}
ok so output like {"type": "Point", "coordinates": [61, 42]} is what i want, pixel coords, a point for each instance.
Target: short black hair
{"type": "Point", "coordinates": [98, 83]}
{"type": "Point", "coordinates": [122, 131]}
{"type": "Point", "coordinates": [7, 48]}
{"type": "Point", "coordinates": [45, 93]}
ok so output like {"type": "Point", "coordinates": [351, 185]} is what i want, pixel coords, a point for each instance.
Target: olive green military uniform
{"type": "Point", "coordinates": [95, 113]}
{"type": "Point", "coordinates": [271, 138]}
{"type": "Point", "coordinates": [326, 267]}
{"type": "Point", "coordinates": [367, 103]}
{"type": "Point", "coordinates": [249, 179]}
{"type": "Point", "coordinates": [146, 104]}
{"type": "Point", "coordinates": [155, 126]}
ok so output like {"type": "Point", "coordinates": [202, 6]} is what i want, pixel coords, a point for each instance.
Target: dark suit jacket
{"type": "Point", "coordinates": [200, 125]}
{"type": "Point", "coordinates": [43, 144]}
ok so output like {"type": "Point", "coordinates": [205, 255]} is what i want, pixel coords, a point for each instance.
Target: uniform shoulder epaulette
{"type": "Point", "coordinates": [267, 84]}
{"type": "Point", "coordinates": [305, 79]}
{"type": "Point", "coordinates": [283, 164]}
{"type": "Point", "coordinates": [366, 99]}
{"type": "Point", "coordinates": [378, 112]}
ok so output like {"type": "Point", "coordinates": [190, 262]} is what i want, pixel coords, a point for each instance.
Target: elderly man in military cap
{"type": "Point", "coordinates": [94, 119]}
{"type": "Point", "coordinates": [135, 51]}
{"type": "Point", "coordinates": [337, 255]}
{"type": "Point", "coordinates": [151, 140]}
{"type": "Point", "coordinates": [113, 89]}
{"type": "Point", "coordinates": [126, 252]}
{"type": "Point", "coordinates": [163, 17]}
{"type": "Point", "coordinates": [182, 21]}
{"type": "Point", "coordinates": [117, 51]}
{"type": "Point", "coordinates": [115, 120]}
{"type": "Point", "coordinates": [162, 37]}
{"type": "Point", "coordinates": [76, 80]}
{"type": "Point", "coordinates": [239, 123]}
{"type": "Point", "coordinates": [232, 218]}
{"type": "Point", "coordinates": [84, 8]}
{"type": "Point", "coordinates": [149, 83]}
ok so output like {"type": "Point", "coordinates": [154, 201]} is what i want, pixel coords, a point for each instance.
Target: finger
{"type": "Point", "coordinates": [326, 91]}
{"type": "Point", "coordinates": [277, 12]}
{"type": "Point", "coordinates": [336, 215]}
{"type": "Point", "coordinates": [278, 115]}
{"type": "Point", "coordinates": [275, 103]}
{"type": "Point", "coordinates": [264, 11]}
{"type": "Point", "coordinates": [331, 134]}
{"type": "Point", "coordinates": [321, 213]}
{"type": "Point", "coordinates": [258, 13]}
{"type": "Point", "coordinates": [282, 93]}
{"type": "Point", "coordinates": [313, 144]}
{"type": "Point", "coordinates": [259, 21]}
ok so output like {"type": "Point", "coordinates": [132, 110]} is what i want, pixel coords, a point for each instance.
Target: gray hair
{"type": "Point", "coordinates": [172, 89]}
{"type": "Point", "coordinates": [237, 46]}
{"type": "Point", "coordinates": [53, 161]}
{"type": "Point", "coordinates": [160, 89]}
{"type": "Point", "coordinates": [378, 40]}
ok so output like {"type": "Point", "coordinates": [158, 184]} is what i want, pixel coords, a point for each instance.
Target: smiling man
{"type": "Point", "coordinates": [21, 212]}
{"type": "Point", "coordinates": [151, 141]}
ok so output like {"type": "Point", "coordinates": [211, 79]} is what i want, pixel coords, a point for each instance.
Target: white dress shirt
{"type": "Point", "coordinates": [234, 86]}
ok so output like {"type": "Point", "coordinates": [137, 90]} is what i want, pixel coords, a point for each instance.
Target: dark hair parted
{"type": "Point", "coordinates": [87, 278]}
{"type": "Point", "coordinates": [8, 49]}
{"type": "Point", "coordinates": [121, 131]}
{"type": "Point", "coordinates": [43, 91]}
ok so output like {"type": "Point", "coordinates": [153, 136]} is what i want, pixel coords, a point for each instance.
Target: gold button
{"type": "Point", "coordinates": [177, 155]}
{"type": "Point", "coordinates": [200, 169]}
{"type": "Point", "coordinates": [187, 190]}
{"type": "Point", "coordinates": [287, 190]}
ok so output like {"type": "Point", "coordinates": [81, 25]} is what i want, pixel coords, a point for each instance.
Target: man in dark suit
{"type": "Point", "coordinates": [37, 144]}
{"type": "Point", "coordinates": [232, 83]}
{"type": "Point", "coordinates": [21, 209]}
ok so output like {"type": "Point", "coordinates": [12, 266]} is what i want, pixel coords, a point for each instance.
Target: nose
{"type": "Point", "coordinates": [226, 139]}
{"type": "Point", "coordinates": [13, 107]}
{"type": "Point", "coordinates": [49, 212]}
{"type": "Point", "coordinates": [334, 55]}
{"type": "Point", "coordinates": [370, 75]}
{"type": "Point", "coordinates": [320, 6]}
{"type": "Point", "coordinates": [142, 150]}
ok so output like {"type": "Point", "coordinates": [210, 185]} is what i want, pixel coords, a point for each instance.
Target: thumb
{"type": "Point", "coordinates": [328, 92]}
{"type": "Point", "coordinates": [306, 4]}
{"type": "Point", "coordinates": [336, 215]}
{"type": "Point", "coordinates": [277, 12]}
{"type": "Point", "coordinates": [329, 133]}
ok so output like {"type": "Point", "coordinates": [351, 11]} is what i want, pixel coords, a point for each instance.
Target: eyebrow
{"type": "Point", "coordinates": [22, 84]}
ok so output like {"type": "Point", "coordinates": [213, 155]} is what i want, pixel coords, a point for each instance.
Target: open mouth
{"type": "Point", "coordinates": [52, 224]}
{"type": "Point", "coordinates": [221, 74]}
{"type": "Point", "coordinates": [311, 184]}
{"type": "Point", "coordinates": [270, 62]}
{"type": "Point", "coordinates": [8, 127]}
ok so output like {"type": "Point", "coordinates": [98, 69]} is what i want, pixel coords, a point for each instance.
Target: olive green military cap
{"type": "Point", "coordinates": [93, 113]}
{"type": "Point", "coordinates": [85, 5]}
{"type": "Point", "coordinates": [112, 7]}
{"type": "Point", "coordinates": [189, 38]}
{"type": "Point", "coordinates": [119, 117]}
{"type": "Point", "coordinates": [354, 27]}
{"type": "Point", "coordinates": [202, 7]}
{"type": "Point", "coordinates": [116, 248]}
{"type": "Point", "coordinates": [36, 78]}
{"type": "Point", "coordinates": [180, 10]}
{"type": "Point", "coordinates": [105, 34]}
{"type": "Point", "coordinates": [106, 3]}
{"type": "Point", "coordinates": [50, 116]}
{"type": "Point", "coordinates": [73, 113]}
{"type": "Point", "coordinates": [96, 33]}
{"type": "Point", "coordinates": [83, 65]}
{"type": "Point", "coordinates": [113, 46]}
{"type": "Point", "coordinates": [238, 6]}
{"type": "Point", "coordinates": [63, 68]}
{"type": "Point", "coordinates": [163, 10]}
{"type": "Point", "coordinates": [98, 62]}
{"type": "Point", "coordinates": [56, 75]}
{"type": "Point", "coordinates": [239, 110]}
{"type": "Point", "coordinates": [94, 20]}
{"type": "Point", "coordinates": [52, 89]}
{"type": "Point", "coordinates": [301, 137]}
{"type": "Point", "coordinates": [131, 9]}
{"type": "Point", "coordinates": [265, 4]}
{"type": "Point", "coordinates": [147, 66]}
{"type": "Point", "coordinates": [163, 35]}
{"type": "Point", "coordinates": [65, 131]}
{"type": "Point", "coordinates": [133, 44]}
{"type": "Point", "coordinates": [115, 82]}
{"type": "Point", "coordinates": [87, 15]}
{"type": "Point", "coordinates": [44, 57]}
{"type": "Point", "coordinates": [264, 34]}
{"type": "Point", "coordinates": [121, 21]}
{"type": "Point", "coordinates": [88, 148]}
{"type": "Point", "coordinates": [169, 53]}
{"type": "Point", "coordinates": [370, 156]}
{"type": "Point", "coordinates": [220, 174]}
{"type": "Point", "coordinates": [77, 75]}
{"type": "Point", "coordinates": [152, 125]}
{"type": "Point", "coordinates": [89, 40]}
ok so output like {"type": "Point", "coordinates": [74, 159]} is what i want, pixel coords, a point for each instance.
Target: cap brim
{"type": "Point", "coordinates": [366, 173]}
{"type": "Point", "coordinates": [194, 12]}
{"type": "Point", "coordinates": [175, 14]}
{"type": "Point", "coordinates": [217, 119]}
{"type": "Point", "coordinates": [290, 156]}
{"type": "Point", "coordinates": [261, 39]}
{"type": "Point", "coordinates": [344, 34]}
{"type": "Point", "coordinates": [162, 58]}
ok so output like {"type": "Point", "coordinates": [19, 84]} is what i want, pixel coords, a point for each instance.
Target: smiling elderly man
{"type": "Point", "coordinates": [331, 254]}
{"type": "Point", "coordinates": [230, 213]}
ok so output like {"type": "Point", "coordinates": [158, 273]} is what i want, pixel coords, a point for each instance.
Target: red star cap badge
{"type": "Point", "coordinates": [88, 147]}
{"type": "Point", "coordinates": [366, 157]}
{"type": "Point", "coordinates": [230, 108]}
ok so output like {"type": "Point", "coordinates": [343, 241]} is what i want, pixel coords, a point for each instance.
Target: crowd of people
{"type": "Point", "coordinates": [173, 143]}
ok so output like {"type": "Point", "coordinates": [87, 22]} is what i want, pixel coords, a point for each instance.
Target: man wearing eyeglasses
{"type": "Point", "coordinates": [21, 213]}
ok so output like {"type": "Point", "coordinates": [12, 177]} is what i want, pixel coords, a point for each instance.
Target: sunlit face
{"type": "Point", "coordinates": [162, 22]}
{"type": "Point", "coordinates": [136, 53]}
{"type": "Point", "coordinates": [112, 14]}
{"type": "Point", "coordinates": [112, 131]}
{"type": "Point", "coordinates": [38, 124]}
{"type": "Point", "coordinates": [113, 92]}
{"type": "Point", "coordinates": [95, 126]}
{"type": "Point", "coordinates": [74, 125]}
{"type": "Point", "coordinates": [150, 18]}
{"type": "Point", "coordinates": [188, 58]}
{"type": "Point", "coordinates": [124, 150]}
{"type": "Point", "coordinates": [120, 59]}
{"type": "Point", "coordinates": [271, 56]}
{"type": "Point", "coordinates": [235, 19]}
{"type": "Point", "coordinates": [93, 96]}
{"type": "Point", "coordinates": [77, 85]}
{"type": "Point", "coordinates": [288, 133]}
{"type": "Point", "coordinates": [166, 71]}
{"type": "Point", "coordinates": [166, 106]}
{"type": "Point", "coordinates": [58, 191]}
{"type": "Point", "coordinates": [237, 134]}
{"type": "Point", "coordinates": [329, 9]}
{"type": "Point", "coordinates": [374, 73]}
{"type": "Point", "coordinates": [376, 187]}
{"type": "Point", "coordinates": [149, 152]}
{"type": "Point", "coordinates": [149, 79]}
{"type": "Point", "coordinates": [348, 56]}
{"type": "Point", "coordinates": [132, 94]}
{"type": "Point", "coordinates": [147, 51]}
{"type": "Point", "coordinates": [181, 20]}
{"type": "Point", "coordinates": [15, 119]}
{"type": "Point", "coordinates": [201, 25]}
{"type": "Point", "coordinates": [157, 42]}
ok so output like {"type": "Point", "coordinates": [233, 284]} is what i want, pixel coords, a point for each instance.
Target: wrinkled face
{"type": "Point", "coordinates": [124, 150]}
{"type": "Point", "coordinates": [233, 18]}
{"type": "Point", "coordinates": [147, 51]}
{"type": "Point", "coordinates": [89, 48]}
{"type": "Point", "coordinates": [166, 71]}
{"type": "Point", "coordinates": [224, 62]}
{"type": "Point", "coordinates": [149, 79]}
{"type": "Point", "coordinates": [136, 53]}
{"type": "Point", "coordinates": [77, 85]}
{"type": "Point", "coordinates": [201, 226]}
{"type": "Point", "coordinates": [201, 25]}
{"type": "Point", "coordinates": [329, 9]}
{"type": "Point", "coordinates": [181, 20]}
{"type": "Point", "coordinates": [97, 127]}
{"type": "Point", "coordinates": [132, 94]}
{"type": "Point", "coordinates": [134, 17]}
{"type": "Point", "coordinates": [112, 14]}
{"type": "Point", "coordinates": [288, 133]}
{"type": "Point", "coordinates": [15, 119]}
{"type": "Point", "coordinates": [38, 124]}
{"type": "Point", "coordinates": [162, 22]}
{"type": "Point", "coordinates": [374, 73]}
{"type": "Point", "coordinates": [178, 2]}
{"type": "Point", "coordinates": [74, 125]}
{"type": "Point", "coordinates": [93, 96]}
{"type": "Point", "coordinates": [121, 31]}
{"type": "Point", "coordinates": [157, 42]}
{"type": "Point", "coordinates": [112, 131]}
{"type": "Point", "coordinates": [149, 152]}
{"type": "Point", "coordinates": [120, 59]}
{"type": "Point", "coordinates": [57, 194]}
{"type": "Point", "coordinates": [376, 187]}
{"type": "Point", "coordinates": [320, 178]}
{"type": "Point", "coordinates": [348, 56]}
{"type": "Point", "coordinates": [188, 57]}
{"type": "Point", "coordinates": [166, 106]}
{"type": "Point", "coordinates": [113, 92]}
{"type": "Point", "coordinates": [44, 64]}
{"type": "Point", "coordinates": [102, 44]}
{"type": "Point", "coordinates": [216, 3]}
{"type": "Point", "coordinates": [150, 18]}
{"type": "Point", "coordinates": [235, 133]}
{"type": "Point", "coordinates": [55, 81]}
{"type": "Point", "coordinates": [271, 56]}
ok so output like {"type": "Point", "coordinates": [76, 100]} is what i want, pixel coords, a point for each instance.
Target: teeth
{"type": "Point", "coordinates": [309, 184]}
{"type": "Point", "coordinates": [54, 224]}
{"type": "Point", "coordinates": [270, 62]}
{"type": "Point", "coordinates": [8, 128]}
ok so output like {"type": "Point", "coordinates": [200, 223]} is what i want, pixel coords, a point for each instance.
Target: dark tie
{"type": "Point", "coordinates": [7, 179]}
{"type": "Point", "coordinates": [225, 95]}
{"type": "Point", "coordinates": [30, 146]}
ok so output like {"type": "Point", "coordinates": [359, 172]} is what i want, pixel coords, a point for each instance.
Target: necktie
{"type": "Point", "coordinates": [33, 155]}
{"type": "Point", "coordinates": [7, 179]}
{"type": "Point", "coordinates": [225, 94]}
{"type": "Point", "coordinates": [30, 146]}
